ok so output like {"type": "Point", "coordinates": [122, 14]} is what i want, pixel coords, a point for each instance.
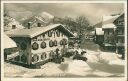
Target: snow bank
{"type": "Point", "coordinates": [117, 62]}
{"type": "Point", "coordinates": [78, 67]}
{"type": "Point", "coordinates": [108, 56]}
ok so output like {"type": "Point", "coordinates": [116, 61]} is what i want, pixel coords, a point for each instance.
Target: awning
{"type": "Point", "coordinates": [8, 42]}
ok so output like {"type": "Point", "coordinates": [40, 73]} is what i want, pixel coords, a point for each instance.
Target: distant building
{"type": "Point", "coordinates": [109, 28]}
{"type": "Point", "coordinates": [120, 35]}
{"type": "Point", "coordinates": [99, 36]}
{"type": "Point", "coordinates": [113, 28]}
{"type": "Point", "coordinates": [42, 19]}
{"type": "Point", "coordinates": [39, 44]}
{"type": "Point", "coordinates": [12, 24]}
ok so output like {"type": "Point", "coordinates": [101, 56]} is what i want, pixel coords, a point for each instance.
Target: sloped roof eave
{"type": "Point", "coordinates": [35, 33]}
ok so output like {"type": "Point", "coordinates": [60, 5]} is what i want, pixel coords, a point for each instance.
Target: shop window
{"type": "Point", "coordinates": [55, 43]}
{"type": "Point", "coordinates": [35, 46]}
{"type": "Point", "coordinates": [50, 34]}
{"type": "Point", "coordinates": [43, 56]}
{"type": "Point", "coordinates": [51, 44]}
{"type": "Point", "coordinates": [35, 58]}
{"type": "Point", "coordinates": [43, 45]}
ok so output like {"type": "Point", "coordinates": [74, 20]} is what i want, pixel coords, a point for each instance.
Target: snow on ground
{"type": "Point", "coordinates": [99, 64]}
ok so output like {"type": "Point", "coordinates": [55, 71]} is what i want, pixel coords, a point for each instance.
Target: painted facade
{"type": "Point", "coordinates": [41, 45]}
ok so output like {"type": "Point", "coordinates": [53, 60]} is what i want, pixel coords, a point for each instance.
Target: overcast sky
{"type": "Point", "coordinates": [93, 11]}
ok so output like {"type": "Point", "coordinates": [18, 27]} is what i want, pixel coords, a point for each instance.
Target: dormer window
{"type": "Point", "coordinates": [39, 24]}
{"type": "Point", "coordinates": [13, 26]}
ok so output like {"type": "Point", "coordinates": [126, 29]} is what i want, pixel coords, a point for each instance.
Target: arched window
{"type": "Point", "coordinates": [61, 42]}
{"type": "Point", "coordinates": [65, 42]}
{"type": "Point", "coordinates": [58, 33]}
{"type": "Point", "coordinates": [51, 54]}
{"type": "Point", "coordinates": [43, 45]}
{"type": "Point", "coordinates": [35, 58]}
{"type": "Point", "coordinates": [44, 55]}
{"type": "Point", "coordinates": [51, 44]}
{"type": "Point", "coordinates": [50, 33]}
{"type": "Point", "coordinates": [55, 43]}
{"type": "Point", "coordinates": [35, 46]}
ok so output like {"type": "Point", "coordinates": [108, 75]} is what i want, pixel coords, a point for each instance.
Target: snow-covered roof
{"type": "Point", "coordinates": [109, 19]}
{"type": "Point", "coordinates": [99, 31]}
{"type": "Point", "coordinates": [8, 42]}
{"type": "Point", "coordinates": [106, 26]}
{"type": "Point", "coordinates": [32, 32]}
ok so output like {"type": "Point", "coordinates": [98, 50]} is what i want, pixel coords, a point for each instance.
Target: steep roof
{"type": "Point", "coordinates": [109, 19]}
{"type": "Point", "coordinates": [32, 32]}
{"type": "Point", "coordinates": [99, 31]}
{"type": "Point", "coordinates": [8, 42]}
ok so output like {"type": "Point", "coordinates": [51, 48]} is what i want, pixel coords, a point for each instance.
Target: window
{"type": "Point", "coordinates": [38, 24]}
{"type": "Point", "coordinates": [51, 44]}
{"type": "Point", "coordinates": [61, 42]}
{"type": "Point", "coordinates": [43, 45]}
{"type": "Point", "coordinates": [35, 46]}
{"type": "Point", "coordinates": [58, 33]}
{"type": "Point", "coordinates": [23, 58]}
{"type": "Point", "coordinates": [120, 31]}
{"type": "Point", "coordinates": [55, 43]}
{"type": "Point", "coordinates": [43, 35]}
{"type": "Point", "coordinates": [44, 55]}
{"type": "Point", "coordinates": [51, 54]}
{"type": "Point", "coordinates": [65, 41]}
{"type": "Point", "coordinates": [35, 58]}
{"type": "Point", "coordinates": [13, 26]}
{"type": "Point", "coordinates": [50, 34]}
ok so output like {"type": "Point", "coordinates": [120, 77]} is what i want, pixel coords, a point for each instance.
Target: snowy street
{"type": "Point", "coordinates": [99, 64]}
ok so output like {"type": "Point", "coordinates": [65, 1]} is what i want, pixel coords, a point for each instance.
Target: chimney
{"type": "Point", "coordinates": [29, 24]}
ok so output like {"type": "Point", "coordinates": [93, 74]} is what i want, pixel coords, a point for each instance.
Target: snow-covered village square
{"type": "Point", "coordinates": [66, 40]}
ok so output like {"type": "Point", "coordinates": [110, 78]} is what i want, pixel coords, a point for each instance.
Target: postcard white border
{"type": "Point", "coordinates": [63, 79]}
